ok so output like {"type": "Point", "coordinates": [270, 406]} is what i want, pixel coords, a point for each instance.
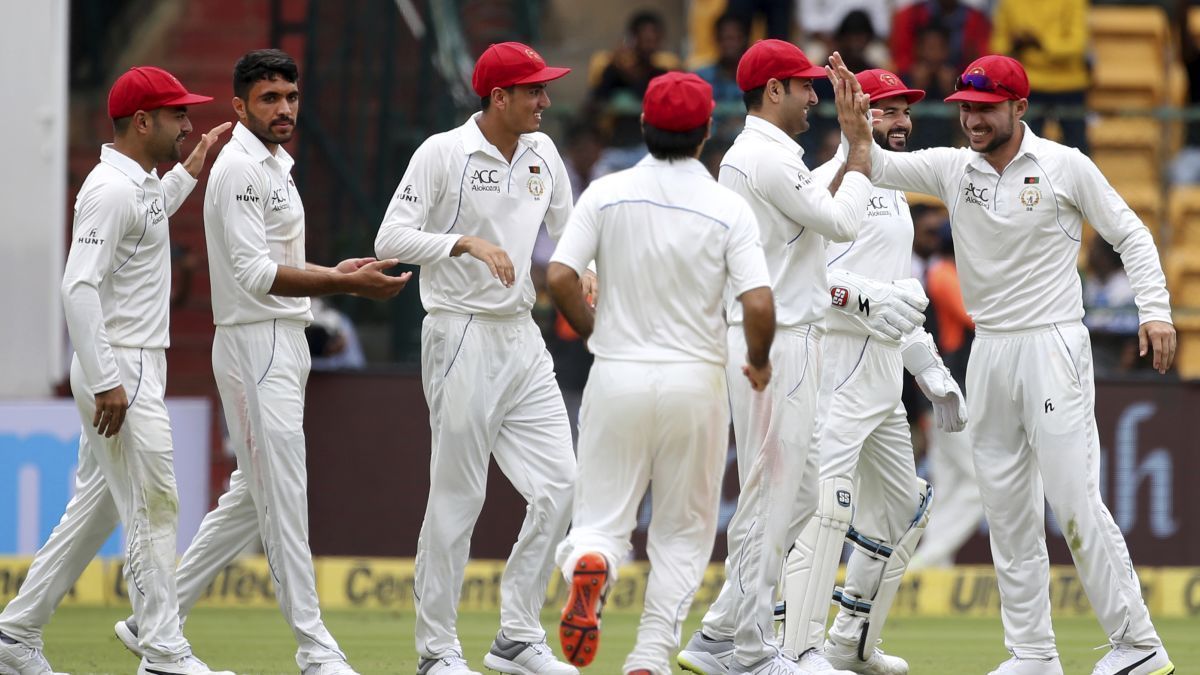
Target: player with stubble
{"type": "Point", "coordinates": [1017, 206]}
{"type": "Point", "coordinates": [261, 284]}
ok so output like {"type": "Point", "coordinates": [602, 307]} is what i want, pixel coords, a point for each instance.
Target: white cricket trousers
{"type": "Point", "coordinates": [864, 435]}
{"type": "Point", "coordinates": [129, 478]}
{"type": "Point", "coordinates": [775, 431]}
{"type": "Point", "coordinates": [663, 425]}
{"type": "Point", "coordinates": [261, 370]}
{"type": "Point", "coordinates": [1033, 423]}
{"type": "Point", "coordinates": [490, 386]}
{"type": "Point", "coordinates": [958, 508]}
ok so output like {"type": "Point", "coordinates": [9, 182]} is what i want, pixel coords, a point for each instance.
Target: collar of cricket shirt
{"type": "Point", "coordinates": [125, 164]}
{"type": "Point", "coordinates": [474, 141]}
{"type": "Point", "coordinates": [758, 124]}
{"type": "Point", "coordinates": [689, 165]}
{"type": "Point", "coordinates": [258, 150]}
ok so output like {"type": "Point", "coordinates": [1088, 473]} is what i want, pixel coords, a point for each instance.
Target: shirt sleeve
{"type": "Point", "coordinates": [744, 259]}
{"type": "Point", "coordinates": [581, 237]}
{"type": "Point", "coordinates": [919, 171]}
{"type": "Point", "coordinates": [1119, 225]}
{"type": "Point", "coordinates": [177, 185]}
{"type": "Point", "coordinates": [239, 195]}
{"type": "Point", "coordinates": [402, 233]}
{"type": "Point", "coordinates": [823, 175]}
{"type": "Point", "coordinates": [102, 218]}
{"type": "Point", "coordinates": [790, 187]}
{"type": "Point", "coordinates": [561, 200]}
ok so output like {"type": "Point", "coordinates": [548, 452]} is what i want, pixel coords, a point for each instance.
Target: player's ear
{"type": "Point", "coordinates": [1020, 107]}
{"type": "Point", "coordinates": [239, 108]}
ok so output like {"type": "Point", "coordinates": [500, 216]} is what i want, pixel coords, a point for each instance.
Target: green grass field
{"type": "Point", "coordinates": [80, 641]}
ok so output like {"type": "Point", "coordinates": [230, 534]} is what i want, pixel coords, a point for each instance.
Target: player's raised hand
{"type": "Point", "coordinates": [491, 255]}
{"type": "Point", "coordinates": [369, 280]}
{"type": "Point", "coordinates": [110, 411]}
{"type": "Point", "coordinates": [759, 377]}
{"type": "Point", "coordinates": [1159, 336]}
{"type": "Point", "coordinates": [195, 161]}
{"type": "Point", "coordinates": [853, 106]}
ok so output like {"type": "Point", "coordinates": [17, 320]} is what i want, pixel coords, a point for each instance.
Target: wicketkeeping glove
{"type": "Point", "coordinates": [922, 360]}
{"type": "Point", "coordinates": [883, 309]}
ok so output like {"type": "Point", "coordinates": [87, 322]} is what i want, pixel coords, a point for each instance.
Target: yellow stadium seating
{"type": "Point", "coordinates": [1183, 214]}
{"type": "Point", "coordinates": [1130, 48]}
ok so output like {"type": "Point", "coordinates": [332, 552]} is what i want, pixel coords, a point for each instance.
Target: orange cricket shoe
{"type": "Point", "coordinates": [579, 631]}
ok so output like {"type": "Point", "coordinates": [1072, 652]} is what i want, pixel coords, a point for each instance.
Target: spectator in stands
{"type": "Point", "coordinates": [858, 43]}
{"type": "Point", "coordinates": [819, 20]}
{"type": "Point", "coordinates": [932, 71]}
{"type": "Point", "coordinates": [969, 30]}
{"type": "Point", "coordinates": [777, 13]}
{"type": "Point", "coordinates": [1185, 168]}
{"type": "Point", "coordinates": [616, 100]}
{"type": "Point", "coordinates": [1050, 38]}
{"type": "Point", "coordinates": [1110, 313]}
{"type": "Point", "coordinates": [733, 38]}
{"type": "Point", "coordinates": [582, 153]}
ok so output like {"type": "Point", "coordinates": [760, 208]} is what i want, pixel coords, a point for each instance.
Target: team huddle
{"type": "Point", "coordinates": [777, 298]}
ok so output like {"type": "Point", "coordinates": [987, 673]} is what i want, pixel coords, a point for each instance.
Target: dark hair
{"type": "Point", "coordinates": [754, 98]}
{"type": "Point", "coordinates": [672, 145]}
{"type": "Point", "coordinates": [646, 17]}
{"type": "Point", "coordinates": [262, 64]}
{"type": "Point", "coordinates": [121, 124]}
{"type": "Point", "coordinates": [734, 18]}
{"type": "Point", "coordinates": [485, 102]}
{"type": "Point", "coordinates": [856, 22]}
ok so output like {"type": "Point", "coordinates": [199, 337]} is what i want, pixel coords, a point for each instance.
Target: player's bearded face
{"type": "Point", "coordinates": [988, 125]}
{"type": "Point", "coordinates": [523, 113]}
{"type": "Point", "coordinates": [169, 127]}
{"type": "Point", "coordinates": [271, 109]}
{"type": "Point", "coordinates": [895, 125]}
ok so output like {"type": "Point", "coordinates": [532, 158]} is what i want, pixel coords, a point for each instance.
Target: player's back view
{"type": "Point", "coordinates": [666, 239]}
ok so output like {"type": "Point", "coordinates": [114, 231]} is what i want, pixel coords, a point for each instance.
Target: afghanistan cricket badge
{"type": "Point", "coordinates": [1030, 196]}
{"type": "Point", "coordinates": [536, 187]}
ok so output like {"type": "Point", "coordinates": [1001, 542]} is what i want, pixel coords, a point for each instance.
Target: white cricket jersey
{"type": "Point", "coordinates": [667, 241]}
{"type": "Point", "coordinates": [458, 184]}
{"type": "Point", "coordinates": [253, 223]}
{"type": "Point", "coordinates": [116, 288]}
{"type": "Point", "coordinates": [1017, 233]}
{"type": "Point", "coordinates": [796, 215]}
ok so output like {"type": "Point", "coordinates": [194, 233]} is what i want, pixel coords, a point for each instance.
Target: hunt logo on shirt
{"type": "Point", "coordinates": [977, 196]}
{"type": "Point", "coordinates": [802, 180]}
{"type": "Point", "coordinates": [91, 238]}
{"type": "Point", "coordinates": [248, 196]}
{"type": "Point", "coordinates": [407, 195]}
{"type": "Point", "coordinates": [839, 295]}
{"type": "Point", "coordinates": [156, 212]}
{"type": "Point", "coordinates": [877, 206]}
{"type": "Point", "coordinates": [279, 202]}
{"type": "Point", "coordinates": [485, 180]}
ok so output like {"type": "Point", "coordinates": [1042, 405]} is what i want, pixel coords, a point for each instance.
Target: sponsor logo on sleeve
{"type": "Point", "coordinates": [803, 180]}
{"type": "Point", "coordinates": [840, 296]}
{"type": "Point", "coordinates": [91, 239]}
{"type": "Point", "coordinates": [407, 195]}
{"type": "Point", "coordinates": [249, 195]}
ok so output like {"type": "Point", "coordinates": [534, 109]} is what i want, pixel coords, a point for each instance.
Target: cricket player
{"type": "Point", "coordinates": [116, 290]}
{"type": "Point", "coordinates": [865, 446]}
{"type": "Point", "coordinates": [483, 190]}
{"type": "Point", "coordinates": [1017, 206]}
{"type": "Point", "coordinates": [254, 225]}
{"type": "Point", "coordinates": [775, 432]}
{"type": "Point", "coordinates": [668, 241]}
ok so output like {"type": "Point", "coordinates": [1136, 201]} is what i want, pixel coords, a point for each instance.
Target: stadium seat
{"type": "Point", "coordinates": [1187, 357]}
{"type": "Point", "coordinates": [1182, 267]}
{"type": "Point", "coordinates": [1183, 215]}
{"type": "Point", "coordinates": [1130, 49]}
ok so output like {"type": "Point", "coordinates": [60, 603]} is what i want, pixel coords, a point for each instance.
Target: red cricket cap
{"type": "Point", "coordinates": [777, 59]}
{"type": "Point", "coordinates": [880, 84]}
{"type": "Point", "coordinates": [991, 79]}
{"type": "Point", "coordinates": [148, 88]}
{"type": "Point", "coordinates": [678, 101]}
{"type": "Point", "coordinates": [508, 63]}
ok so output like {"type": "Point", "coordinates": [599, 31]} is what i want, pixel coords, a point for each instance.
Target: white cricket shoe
{"type": "Point", "coordinates": [1020, 666]}
{"type": "Point", "coordinates": [187, 665]}
{"type": "Point", "coordinates": [18, 658]}
{"type": "Point", "coordinates": [329, 668]}
{"type": "Point", "coordinates": [525, 658]}
{"type": "Point", "coordinates": [1128, 660]}
{"type": "Point", "coordinates": [127, 633]}
{"type": "Point", "coordinates": [446, 665]}
{"type": "Point", "coordinates": [814, 661]}
{"type": "Point", "coordinates": [845, 657]}
{"type": "Point", "coordinates": [775, 665]}
{"type": "Point", "coordinates": [706, 656]}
